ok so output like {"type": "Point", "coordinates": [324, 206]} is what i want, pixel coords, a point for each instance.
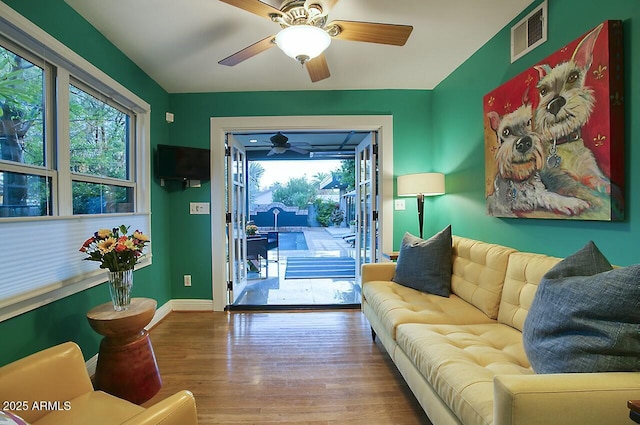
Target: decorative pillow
{"type": "Point", "coordinates": [585, 317]}
{"type": "Point", "coordinates": [8, 418]}
{"type": "Point", "coordinates": [426, 265]}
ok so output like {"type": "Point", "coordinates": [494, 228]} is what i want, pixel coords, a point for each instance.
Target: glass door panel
{"type": "Point", "coordinates": [236, 219]}
{"type": "Point", "coordinates": [366, 190]}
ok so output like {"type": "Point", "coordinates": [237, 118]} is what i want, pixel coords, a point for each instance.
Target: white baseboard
{"type": "Point", "coordinates": [191, 305]}
{"type": "Point", "coordinates": [161, 313]}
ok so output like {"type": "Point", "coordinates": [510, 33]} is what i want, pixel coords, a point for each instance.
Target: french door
{"type": "Point", "coordinates": [236, 180]}
{"type": "Point", "coordinates": [367, 237]}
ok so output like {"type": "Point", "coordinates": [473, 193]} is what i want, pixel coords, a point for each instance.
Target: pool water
{"type": "Point", "coordinates": [292, 241]}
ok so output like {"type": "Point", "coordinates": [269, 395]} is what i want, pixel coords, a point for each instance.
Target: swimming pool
{"type": "Point", "coordinates": [292, 241]}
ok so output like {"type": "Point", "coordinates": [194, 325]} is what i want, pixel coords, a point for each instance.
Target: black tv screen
{"type": "Point", "coordinates": [182, 163]}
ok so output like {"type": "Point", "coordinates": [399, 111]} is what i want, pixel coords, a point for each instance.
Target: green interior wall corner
{"type": "Point", "coordinates": [460, 149]}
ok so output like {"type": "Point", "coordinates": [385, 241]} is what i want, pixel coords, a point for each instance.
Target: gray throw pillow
{"type": "Point", "coordinates": [585, 317]}
{"type": "Point", "coordinates": [426, 265]}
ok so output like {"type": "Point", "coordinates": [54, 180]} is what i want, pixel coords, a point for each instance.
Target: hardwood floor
{"type": "Point", "coordinates": [306, 367]}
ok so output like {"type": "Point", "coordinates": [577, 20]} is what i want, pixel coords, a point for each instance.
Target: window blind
{"type": "Point", "coordinates": [41, 262]}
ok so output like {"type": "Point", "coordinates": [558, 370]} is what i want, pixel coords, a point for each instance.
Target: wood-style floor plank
{"type": "Point", "coordinates": [282, 368]}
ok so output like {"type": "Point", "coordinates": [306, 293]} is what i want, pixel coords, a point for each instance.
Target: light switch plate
{"type": "Point", "coordinates": [199, 208]}
{"type": "Point", "coordinates": [400, 205]}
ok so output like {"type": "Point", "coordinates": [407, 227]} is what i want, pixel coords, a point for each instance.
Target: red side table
{"type": "Point", "coordinates": [127, 366]}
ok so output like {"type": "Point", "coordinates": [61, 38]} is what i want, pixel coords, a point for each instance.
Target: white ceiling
{"type": "Point", "coordinates": [179, 43]}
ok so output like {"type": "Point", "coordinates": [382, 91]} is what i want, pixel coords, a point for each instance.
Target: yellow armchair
{"type": "Point", "coordinates": [53, 387]}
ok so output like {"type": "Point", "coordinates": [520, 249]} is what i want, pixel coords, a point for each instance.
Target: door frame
{"type": "Point", "coordinates": [220, 126]}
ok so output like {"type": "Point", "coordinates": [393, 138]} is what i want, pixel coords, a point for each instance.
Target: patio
{"type": "Point", "coordinates": [278, 291]}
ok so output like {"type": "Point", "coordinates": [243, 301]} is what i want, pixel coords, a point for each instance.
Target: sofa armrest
{"type": "Point", "coordinates": [179, 409]}
{"type": "Point", "coordinates": [378, 271]}
{"type": "Point", "coordinates": [572, 398]}
{"type": "Point", "coordinates": [55, 374]}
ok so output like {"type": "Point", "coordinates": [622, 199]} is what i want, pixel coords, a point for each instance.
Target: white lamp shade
{"type": "Point", "coordinates": [303, 42]}
{"type": "Point", "coordinates": [427, 184]}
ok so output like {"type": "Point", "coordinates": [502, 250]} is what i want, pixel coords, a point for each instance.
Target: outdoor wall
{"type": "Point", "coordinates": [65, 320]}
{"type": "Point", "coordinates": [191, 128]}
{"type": "Point", "coordinates": [458, 144]}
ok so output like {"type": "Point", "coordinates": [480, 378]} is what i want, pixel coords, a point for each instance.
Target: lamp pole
{"type": "Point", "coordinates": [420, 198]}
{"type": "Point", "coordinates": [421, 185]}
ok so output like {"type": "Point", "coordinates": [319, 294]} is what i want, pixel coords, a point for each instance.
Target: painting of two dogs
{"type": "Point", "coordinates": [554, 142]}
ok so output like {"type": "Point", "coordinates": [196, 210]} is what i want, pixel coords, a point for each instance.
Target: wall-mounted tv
{"type": "Point", "coordinates": [182, 163]}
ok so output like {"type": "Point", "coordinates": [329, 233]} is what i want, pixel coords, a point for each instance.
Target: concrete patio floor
{"type": "Point", "coordinates": [278, 291]}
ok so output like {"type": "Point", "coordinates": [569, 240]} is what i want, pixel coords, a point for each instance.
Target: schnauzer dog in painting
{"type": "Point", "coordinates": [565, 106]}
{"type": "Point", "coordinates": [519, 159]}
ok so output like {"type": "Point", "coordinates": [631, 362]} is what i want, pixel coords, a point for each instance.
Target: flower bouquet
{"type": "Point", "coordinates": [251, 229]}
{"type": "Point", "coordinates": [119, 253]}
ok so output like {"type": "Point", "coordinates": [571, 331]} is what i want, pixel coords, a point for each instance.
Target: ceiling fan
{"type": "Point", "coordinates": [306, 33]}
{"type": "Point", "coordinates": [280, 144]}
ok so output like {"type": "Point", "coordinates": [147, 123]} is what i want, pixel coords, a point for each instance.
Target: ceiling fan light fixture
{"type": "Point", "coordinates": [303, 42]}
{"type": "Point", "coordinates": [279, 149]}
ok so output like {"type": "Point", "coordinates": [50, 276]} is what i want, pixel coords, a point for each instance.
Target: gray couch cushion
{"type": "Point", "coordinates": [585, 317]}
{"type": "Point", "coordinates": [425, 265]}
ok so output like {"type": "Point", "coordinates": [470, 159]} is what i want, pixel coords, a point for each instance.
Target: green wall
{"type": "Point", "coordinates": [192, 128]}
{"type": "Point", "coordinates": [459, 144]}
{"type": "Point", "coordinates": [65, 319]}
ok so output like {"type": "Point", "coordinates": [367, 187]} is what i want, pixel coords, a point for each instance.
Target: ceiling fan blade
{"type": "Point", "coordinates": [327, 5]}
{"type": "Point", "coordinates": [299, 150]}
{"type": "Point", "coordinates": [271, 152]}
{"type": "Point", "coordinates": [372, 32]}
{"type": "Point", "coordinates": [254, 6]}
{"type": "Point", "coordinates": [318, 68]}
{"type": "Point", "coordinates": [248, 52]}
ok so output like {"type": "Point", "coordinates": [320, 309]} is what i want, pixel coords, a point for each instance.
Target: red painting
{"type": "Point", "coordinates": [554, 135]}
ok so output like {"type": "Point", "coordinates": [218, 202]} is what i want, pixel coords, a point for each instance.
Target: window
{"type": "Point", "coordinates": [74, 158]}
{"type": "Point", "coordinates": [100, 147]}
{"type": "Point", "coordinates": [24, 186]}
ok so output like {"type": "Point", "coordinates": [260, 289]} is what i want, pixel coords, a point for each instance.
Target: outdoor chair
{"type": "Point", "coordinates": [257, 251]}
{"type": "Point", "coordinates": [350, 239]}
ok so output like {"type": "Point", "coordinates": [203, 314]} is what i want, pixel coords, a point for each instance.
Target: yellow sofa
{"type": "Point", "coordinates": [53, 387]}
{"type": "Point", "coordinates": [463, 356]}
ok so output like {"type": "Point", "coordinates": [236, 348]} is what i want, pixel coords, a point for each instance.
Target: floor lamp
{"type": "Point", "coordinates": [421, 185]}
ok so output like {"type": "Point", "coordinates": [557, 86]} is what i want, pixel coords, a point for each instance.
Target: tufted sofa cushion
{"type": "Point", "coordinates": [395, 304]}
{"type": "Point", "coordinates": [521, 282]}
{"type": "Point", "coordinates": [478, 273]}
{"type": "Point", "coordinates": [460, 362]}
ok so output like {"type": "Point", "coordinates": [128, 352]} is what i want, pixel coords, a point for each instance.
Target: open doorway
{"type": "Point", "coordinates": [300, 233]}
{"type": "Point", "coordinates": [221, 127]}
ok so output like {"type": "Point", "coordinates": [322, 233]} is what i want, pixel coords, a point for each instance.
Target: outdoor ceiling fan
{"type": "Point", "coordinates": [280, 144]}
{"type": "Point", "coordinates": [306, 33]}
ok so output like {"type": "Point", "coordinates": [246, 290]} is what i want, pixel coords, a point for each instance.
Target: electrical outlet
{"type": "Point", "coordinates": [400, 205]}
{"type": "Point", "coordinates": [187, 280]}
{"type": "Point", "coordinates": [198, 208]}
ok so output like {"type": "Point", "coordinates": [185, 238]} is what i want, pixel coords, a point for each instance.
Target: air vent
{"type": "Point", "coordinates": [529, 33]}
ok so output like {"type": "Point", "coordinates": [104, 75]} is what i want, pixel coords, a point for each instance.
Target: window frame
{"type": "Point", "coordinates": [67, 67]}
